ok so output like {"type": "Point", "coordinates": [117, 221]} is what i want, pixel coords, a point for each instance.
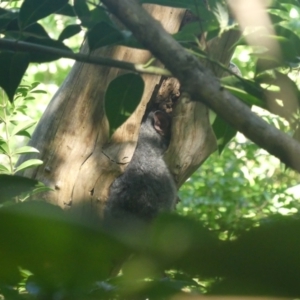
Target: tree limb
{"type": "Point", "coordinates": [15, 45]}
{"type": "Point", "coordinates": [201, 84]}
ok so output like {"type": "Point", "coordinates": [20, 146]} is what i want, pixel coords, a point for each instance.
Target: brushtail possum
{"type": "Point", "coordinates": [146, 187]}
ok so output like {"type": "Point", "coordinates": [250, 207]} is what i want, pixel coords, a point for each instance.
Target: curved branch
{"type": "Point", "coordinates": [15, 45]}
{"type": "Point", "coordinates": [201, 84]}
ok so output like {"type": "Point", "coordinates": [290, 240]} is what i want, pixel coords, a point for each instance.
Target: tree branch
{"type": "Point", "coordinates": [201, 84]}
{"type": "Point", "coordinates": [14, 45]}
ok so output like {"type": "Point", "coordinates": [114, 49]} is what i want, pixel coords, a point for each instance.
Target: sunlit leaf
{"type": "Point", "coordinates": [34, 85]}
{"type": "Point", "coordinates": [24, 133]}
{"type": "Point", "coordinates": [4, 147]}
{"type": "Point", "coordinates": [29, 164]}
{"type": "Point", "coordinates": [244, 96]}
{"type": "Point", "coordinates": [38, 92]}
{"type": "Point", "coordinates": [25, 149]}
{"type": "Point", "coordinates": [22, 126]}
{"type": "Point", "coordinates": [4, 169]}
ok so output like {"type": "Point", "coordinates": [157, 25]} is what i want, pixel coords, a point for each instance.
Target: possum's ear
{"type": "Point", "coordinates": [162, 123]}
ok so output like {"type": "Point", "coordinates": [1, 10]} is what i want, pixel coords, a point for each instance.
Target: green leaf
{"type": "Point", "coordinates": [29, 164]}
{"type": "Point", "coordinates": [38, 92]}
{"type": "Point", "coordinates": [289, 39]}
{"type": "Point", "coordinates": [99, 14]}
{"type": "Point", "coordinates": [244, 96]}
{"type": "Point", "coordinates": [34, 85]}
{"type": "Point", "coordinates": [34, 10]}
{"type": "Point", "coordinates": [41, 188]}
{"type": "Point", "coordinates": [29, 98]}
{"type": "Point", "coordinates": [103, 34]}
{"type": "Point", "coordinates": [22, 126]}
{"type": "Point", "coordinates": [224, 132]}
{"type": "Point", "coordinates": [13, 67]}
{"type": "Point", "coordinates": [4, 169]}
{"type": "Point", "coordinates": [67, 10]}
{"type": "Point", "coordinates": [26, 149]}
{"type": "Point", "coordinates": [191, 31]}
{"type": "Point", "coordinates": [4, 12]}
{"type": "Point", "coordinates": [122, 97]}
{"type": "Point", "coordinates": [39, 56]}
{"type": "Point", "coordinates": [4, 148]}
{"type": "Point", "coordinates": [82, 11]}
{"type": "Point", "coordinates": [24, 133]}
{"type": "Point", "coordinates": [23, 90]}
{"type": "Point", "coordinates": [248, 91]}
{"type": "Point", "coordinates": [12, 186]}
{"type": "Point", "coordinates": [35, 30]}
{"type": "Point", "coordinates": [69, 31]}
{"type": "Point", "coordinates": [6, 17]}
{"type": "Point", "coordinates": [39, 237]}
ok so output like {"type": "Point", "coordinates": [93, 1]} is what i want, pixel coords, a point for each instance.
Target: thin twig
{"type": "Point", "coordinates": [14, 45]}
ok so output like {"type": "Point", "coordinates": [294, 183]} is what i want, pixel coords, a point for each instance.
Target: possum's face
{"type": "Point", "coordinates": [162, 123]}
{"type": "Point", "coordinates": [156, 129]}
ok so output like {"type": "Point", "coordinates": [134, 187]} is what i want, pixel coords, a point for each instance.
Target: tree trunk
{"type": "Point", "coordinates": [80, 162]}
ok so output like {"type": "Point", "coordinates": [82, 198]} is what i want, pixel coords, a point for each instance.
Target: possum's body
{"type": "Point", "coordinates": [146, 187]}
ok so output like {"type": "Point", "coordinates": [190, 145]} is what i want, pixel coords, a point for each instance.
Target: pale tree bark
{"type": "Point", "coordinates": [80, 162]}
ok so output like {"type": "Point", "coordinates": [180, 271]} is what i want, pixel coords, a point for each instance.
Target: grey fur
{"type": "Point", "coordinates": [146, 187]}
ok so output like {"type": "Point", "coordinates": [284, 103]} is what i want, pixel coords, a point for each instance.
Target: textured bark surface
{"type": "Point", "coordinates": [80, 162]}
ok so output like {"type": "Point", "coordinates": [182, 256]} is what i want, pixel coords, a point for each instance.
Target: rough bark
{"type": "Point", "coordinates": [80, 162]}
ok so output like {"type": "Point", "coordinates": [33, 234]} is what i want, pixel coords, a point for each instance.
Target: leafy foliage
{"type": "Point", "coordinates": [187, 250]}
{"type": "Point", "coordinates": [15, 123]}
{"type": "Point", "coordinates": [232, 192]}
